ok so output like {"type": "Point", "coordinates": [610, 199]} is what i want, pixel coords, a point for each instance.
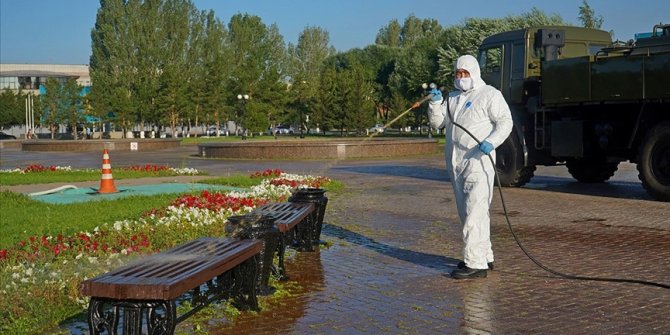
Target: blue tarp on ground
{"type": "Point", "coordinates": [89, 193]}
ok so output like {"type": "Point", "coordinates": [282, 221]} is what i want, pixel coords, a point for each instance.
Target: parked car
{"type": "Point", "coordinates": [284, 130]}
{"type": "Point", "coordinates": [5, 136]}
{"type": "Point", "coordinates": [211, 131]}
{"type": "Point", "coordinates": [378, 128]}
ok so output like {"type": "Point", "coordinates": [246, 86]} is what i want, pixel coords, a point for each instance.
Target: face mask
{"type": "Point", "coordinates": [463, 84]}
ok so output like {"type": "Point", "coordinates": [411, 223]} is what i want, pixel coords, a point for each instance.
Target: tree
{"type": "Point", "coordinates": [175, 73]}
{"type": "Point", "coordinates": [307, 57]}
{"type": "Point", "coordinates": [358, 98]}
{"type": "Point", "coordinates": [588, 17]}
{"type": "Point", "coordinates": [13, 108]}
{"type": "Point", "coordinates": [134, 43]}
{"type": "Point", "coordinates": [346, 94]}
{"type": "Point", "coordinates": [50, 105]}
{"type": "Point", "coordinates": [389, 35]}
{"type": "Point", "coordinates": [113, 67]}
{"type": "Point", "coordinates": [148, 29]}
{"type": "Point", "coordinates": [305, 62]}
{"type": "Point", "coordinates": [210, 71]}
{"type": "Point", "coordinates": [258, 68]}
{"type": "Point", "coordinates": [412, 30]}
{"type": "Point", "coordinates": [328, 111]}
{"type": "Point", "coordinates": [71, 102]}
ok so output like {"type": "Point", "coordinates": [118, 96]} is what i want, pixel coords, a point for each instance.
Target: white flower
{"type": "Point", "coordinates": [12, 171]}
{"type": "Point", "coordinates": [184, 171]}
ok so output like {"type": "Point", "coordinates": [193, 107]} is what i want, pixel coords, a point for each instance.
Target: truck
{"type": "Point", "coordinates": [581, 100]}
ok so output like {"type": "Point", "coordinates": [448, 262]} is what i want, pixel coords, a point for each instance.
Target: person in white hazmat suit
{"type": "Point", "coordinates": [482, 110]}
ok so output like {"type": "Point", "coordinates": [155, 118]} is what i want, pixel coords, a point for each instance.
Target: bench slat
{"type": "Point", "coordinates": [169, 274]}
{"type": "Point", "coordinates": [287, 214]}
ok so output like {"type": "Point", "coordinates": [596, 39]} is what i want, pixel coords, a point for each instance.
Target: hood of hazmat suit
{"type": "Point", "coordinates": [483, 111]}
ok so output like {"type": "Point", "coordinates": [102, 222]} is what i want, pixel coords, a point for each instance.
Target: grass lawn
{"type": "Point", "coordinates": [23, 217]}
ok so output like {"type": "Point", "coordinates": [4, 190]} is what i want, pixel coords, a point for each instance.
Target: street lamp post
{"type": "Point", "coordinates": [301, 107]}
{"type": "Point", "coordinates": [301, 134]}
{"type": "Point", "coordinates": [243, 98]}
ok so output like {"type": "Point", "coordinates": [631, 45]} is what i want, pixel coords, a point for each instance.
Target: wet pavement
{"type": "Point", "coordinates": [394, 237]}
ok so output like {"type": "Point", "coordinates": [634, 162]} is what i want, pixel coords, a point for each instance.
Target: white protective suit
{"type": "Point", "coordinates": [483, 111]}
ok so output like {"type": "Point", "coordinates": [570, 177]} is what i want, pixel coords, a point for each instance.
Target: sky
{"type": "Point", "coordinates": [59, 31]}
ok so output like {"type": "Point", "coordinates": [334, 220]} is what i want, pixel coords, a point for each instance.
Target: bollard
{"type": "Point", "coordinates": [316, 196]}
{"type": "Point", "coordinates": [259, 227]}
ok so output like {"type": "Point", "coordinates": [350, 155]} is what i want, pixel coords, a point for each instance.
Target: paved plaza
{"type": "Point", "coordinates": [394, 237]}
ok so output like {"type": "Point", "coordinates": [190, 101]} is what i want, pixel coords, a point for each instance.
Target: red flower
{"type": "Point", "coordinates": [266, 173]}
{"type": "Point", "coordinates": [3, 254]}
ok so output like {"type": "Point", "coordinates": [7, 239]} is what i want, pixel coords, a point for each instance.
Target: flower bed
{"type": "Point", "coordinates": [45, 271]}
{"type": "Point", "coordinates": [149, 169]}
{"type": "Point", "coordinates": [36, 173]}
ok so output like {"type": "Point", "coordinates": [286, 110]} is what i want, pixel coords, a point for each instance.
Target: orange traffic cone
{"type": "Point", "coordinates": [107, 181]}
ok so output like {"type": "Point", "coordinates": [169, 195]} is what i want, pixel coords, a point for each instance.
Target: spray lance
{"type": "Point", "coordinates": [414, 106]}
{"type": "Point", "coordinates": [502, 200]}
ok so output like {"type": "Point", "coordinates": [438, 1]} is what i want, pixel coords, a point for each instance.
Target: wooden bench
{"type": "Point", "coordinates": [146, 290]}
{"type": "Point", "coordinates": [275, 224]}
{"type": "Point", "coordinates": [290, 219]}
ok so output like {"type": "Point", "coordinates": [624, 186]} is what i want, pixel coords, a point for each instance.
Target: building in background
{"type": "Point", "coordinates": [32, 78]}
{"type": "Point", "coordinates": [29, 77]}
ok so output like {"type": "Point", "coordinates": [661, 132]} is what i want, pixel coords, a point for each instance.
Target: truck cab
{"type": "Point", "coordinates": [511, 61]}
{"type": "Point", "coordinates": [581, 100]}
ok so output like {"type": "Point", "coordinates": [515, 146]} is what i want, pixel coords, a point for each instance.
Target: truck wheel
{"type": "Point", "coordinates": [653, 162]}
{"type": "Point", "coordinates": [591, 170]}
{"type": "Point", "coordinates": [509, 163]}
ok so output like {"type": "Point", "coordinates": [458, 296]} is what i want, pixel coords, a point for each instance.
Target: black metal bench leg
{"type": "Point", "coordinates": [134, 312]}
{"type": "Point", "coordinates": [247, 284]}
{"type": "Point", "coordinates": [100, 321]}
{"type": "Point", "coordinates": [304, 232]}
{"type": "Point", "coordinates": [166, 323]}
{"type": "Point", "coordinates": [280, 254]}
{"type": "Point", "coordinates": [132, 320]}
